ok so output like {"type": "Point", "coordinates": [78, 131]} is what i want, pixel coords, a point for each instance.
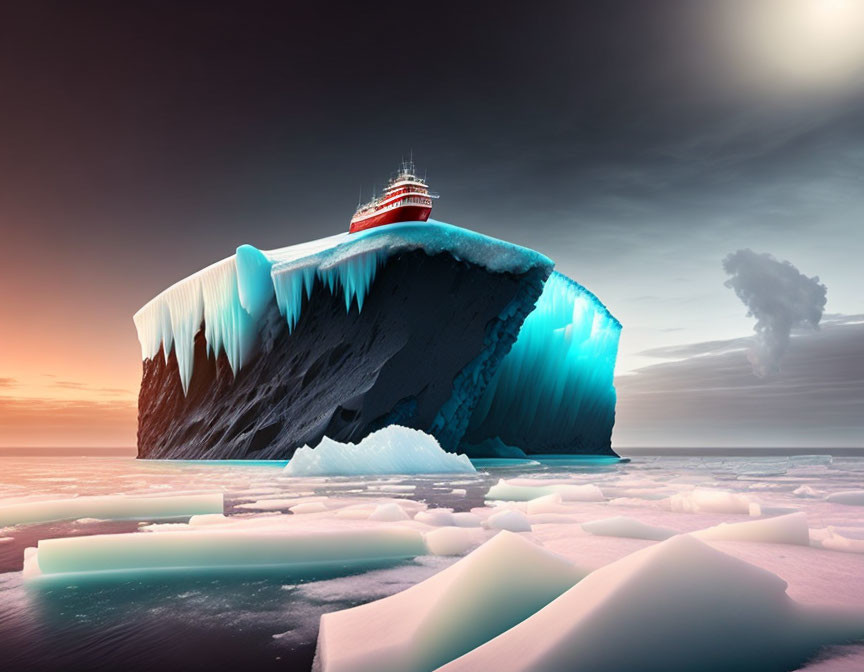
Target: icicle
{"type": "Point", "coordinates": [231, 296]}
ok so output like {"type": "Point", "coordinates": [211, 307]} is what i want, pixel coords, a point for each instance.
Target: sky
{"type": "Point", "coordinates": [636, 143]}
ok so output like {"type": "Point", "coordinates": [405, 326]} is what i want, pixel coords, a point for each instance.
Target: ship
{"type": "Point", "coordinates": [406, 198]}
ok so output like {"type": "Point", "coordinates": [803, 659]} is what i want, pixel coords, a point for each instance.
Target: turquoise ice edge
{"type": "Point", "coordinates": [485, 462]}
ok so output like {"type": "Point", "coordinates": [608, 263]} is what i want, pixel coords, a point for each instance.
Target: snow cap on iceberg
{"type": "Point", "coordinates": [230, 296]}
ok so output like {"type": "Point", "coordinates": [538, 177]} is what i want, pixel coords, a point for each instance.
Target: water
{"type": "Point", "coordinates": [266, 620]}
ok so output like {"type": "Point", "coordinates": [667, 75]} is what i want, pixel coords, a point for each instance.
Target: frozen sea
{"type": "Point", "coordinates": [268, 619]}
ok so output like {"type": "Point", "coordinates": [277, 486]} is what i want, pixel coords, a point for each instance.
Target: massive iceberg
{"type": "Point", "coordinates": [427, 325]}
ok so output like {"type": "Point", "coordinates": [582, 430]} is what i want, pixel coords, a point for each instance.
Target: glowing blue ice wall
{"type": "Point", "coordinates": [553, 392]}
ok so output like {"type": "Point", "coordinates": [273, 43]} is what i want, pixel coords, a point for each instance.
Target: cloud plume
{"type": "Point", "coordinates": [780, 297]}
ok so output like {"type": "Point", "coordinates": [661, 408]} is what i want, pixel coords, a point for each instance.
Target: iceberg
{"type": "Point", "coordinates": [676, 606]}
{"type": "Point", "coordinates": [425, 325]}
{"type": "Point", "coordinates": [109, 507]}
{"type": "Point", "coordinates": [392, 450]}
{"type": "Point", "coordinates": [480, 596]}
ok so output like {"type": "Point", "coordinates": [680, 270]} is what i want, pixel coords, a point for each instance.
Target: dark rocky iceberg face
{"type": "Point", "coordinates": [458, 335]}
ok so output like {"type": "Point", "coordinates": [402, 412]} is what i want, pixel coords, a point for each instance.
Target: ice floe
{"type": "Point", "coordinates": [851, 497]}
{"type": "Point", "coordinates": [241, 544]}
{"type": "Point", "coordinates": [109, 507]}
{"type": "Point", "coordinates": [789, 529]}
{"type": "Point", "coordinates": [389, 513]}
{"type": "Point", "coordinates": [523, 489]}
{"type": "Point", "coordinates": [675, 606]}
{"type": "Point", "coordinates": [445, 517]}
{"type": "Point", "coordinates": [484, 594]}
{"type": "Point", "coordinates": [705, 500]}
{"type": "Point", "coordinates": [845, 539]}
{"type": "Point", "coordinates": [454, 540]}
{"type": "Point", "coordinates": [623, 526]}
{"type": "Point", "coordinates": [509, 519]}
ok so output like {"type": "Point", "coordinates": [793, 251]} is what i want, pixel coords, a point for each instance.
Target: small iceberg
{"type": "Point", "coordinates": [392, 450]}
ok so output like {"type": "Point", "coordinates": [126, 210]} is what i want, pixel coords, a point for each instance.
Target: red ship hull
{"type": "Point", "coordinates": [407, 213]}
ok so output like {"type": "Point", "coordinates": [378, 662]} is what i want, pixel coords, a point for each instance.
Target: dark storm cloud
{"type": "Point", "coordinates": [714, 400]}
{"type": "Point", "coordinates": [780, 297]}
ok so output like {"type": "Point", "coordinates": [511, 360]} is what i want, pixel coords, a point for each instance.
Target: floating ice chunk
{"type": "Point", "coordinates": [6, 540]}
{"type": "Point", "coordinates": [509, 519]}
{"type": "Point", "coordinates": [209, 519]}
{"type": "Point", "coordinates": [453, 540]}
{"type": "Point", "coordinates": [704, 500]}
{"type": "Point", "coordinates": [789, 529]}
{"type": "Point", "coordinates": [278, 504]}
{"type": "Point", "coordinates": [805, 491]}
{"type": "Point", "coordinates": [229, 547]}
{"type": "Point", "coordinates": [393, 488]}
{"type": "Point", "coordinates": [461, 492]}
{"type": "Point", "coordinates": [852, 498]}
{"type": "Point", "coordinates": [309, 507]}
{"type": "Point", "coordinates": [435, 517]}
{"type": "Point", "coordinates": [466, 519]}
{"type": "Point", "coordinates": [523, 490]}
{"type": "Point", "coordinates": [391, 512]}
{"type": "Point", "coordinates": [392, 450]}
{"type": "Point", "coordinates": [676, 606]}
{"type": "Point", "coordinates": [622, 526]}
{"type": "Point", "coordinates": [110, 507]}
{"type": "Point", "coordinates": [445, 517]}
{"type": "Point", "coordinates": [473, 600]}
{"type": "Point", "coordinates": [848, 540]}
{"type": "Point", "coordinates": [547, 504]}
